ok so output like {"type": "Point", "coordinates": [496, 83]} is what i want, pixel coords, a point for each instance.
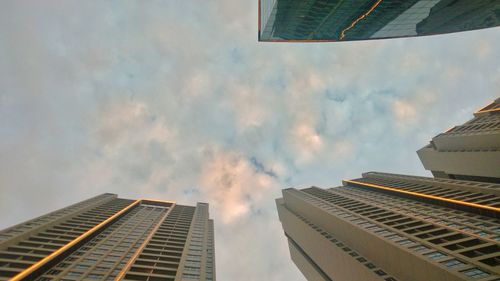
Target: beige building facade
{"type": "Point", "coordinates": [394, 227]}
{"type": "Point", "coordinates": [109, 238]}
{"type": "Point", "coordinates": [470, 151]}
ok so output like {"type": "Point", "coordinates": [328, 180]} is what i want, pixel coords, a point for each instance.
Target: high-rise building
{"type": "Point", "coordinates": [470, 151]}
{"type": "Point", "coordinates": [394, 227]}
{"type": "Point", "coordinates": [340, 20]}
{"type": "Point", "coordinates": [109, 238]}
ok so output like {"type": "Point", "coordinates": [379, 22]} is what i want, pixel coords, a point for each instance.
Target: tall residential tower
{"type": "Point", "coordinates": [109, 238]}
{"type": "Point", "coordinates": [394, 227]}
{"type": "Point", "coordinates": [470, 151]}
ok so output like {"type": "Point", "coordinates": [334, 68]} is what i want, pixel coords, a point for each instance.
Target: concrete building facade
{"type": "Point", "coordinates": [394, 227]}
{"type": "Point", "coordinates": [470, 151]}
{"type": "Point", "coordinates": [109, 238]}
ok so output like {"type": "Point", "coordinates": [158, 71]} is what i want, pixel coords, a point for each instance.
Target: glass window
{"type": "Point", "coordinates": [370, 265]}
{"type": "Point", "coordinates": [82, 266]}
{"type": "Point", "coordinates": [74, 274]}
{"type": "Point", "coordinates": [406, 242]}
{"type": "Point", "coordinates": [475, 273]}
{"type": "Point", "coordinates": [453, 263]}
{"type": "Point", "coordinates": [419, 248]}
{"type": "Point", "coordinates": [435, 255]}
{"type": "Point", "coordinates": [101, 269]}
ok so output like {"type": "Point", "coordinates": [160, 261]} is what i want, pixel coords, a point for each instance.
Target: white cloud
{"type": "Point", "coordinates": [233, 185]}
{"type": "Point", "coordinates": [177, 100]}
{"type": "Point", "coordinates": [307, 142]}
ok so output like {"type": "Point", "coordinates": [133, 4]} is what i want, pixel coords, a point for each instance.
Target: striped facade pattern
{"type": "Point", "coordinates": [470, 151]}
{"type": "Point", "coordinates": [399, 227]}
{"type": "Point", "coordinates": [109, 238]}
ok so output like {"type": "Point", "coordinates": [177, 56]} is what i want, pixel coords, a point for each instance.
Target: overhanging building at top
{"type": "Point", "coordinates": [109, 238]}
{"type": "Point", "coordinates": [470, 151]}
{"type": "Point", "coordinates": [345, 20]}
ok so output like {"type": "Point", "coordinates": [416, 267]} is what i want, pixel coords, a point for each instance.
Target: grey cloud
{"type": "Point", "coordinates": [260, 167]}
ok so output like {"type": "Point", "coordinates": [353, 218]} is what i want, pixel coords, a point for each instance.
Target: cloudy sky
{"type": "Point", "coordinates": [177, 100]}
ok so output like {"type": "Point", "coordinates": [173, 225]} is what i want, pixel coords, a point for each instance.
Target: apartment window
{"type": "Point", "coordinates": [366, 224]}
{"type": "Point", "coordinates": [82, 266]}
{"type": "Point", "coordinates": [192, 268]}
{"type": "Point", "coordinates": [394, 237]}
{"type": "Point", "coordinates": [101, 269]}
{"type": "Point", "coordinates": [375, 228]}
{"type": "Point", "coordinates": [74, 274]}
{"type": "Point", "coordinates": [370, 265]}
{"type": "Point", "coordinates": [53, 272]}
{"type": "Point", "coordinates": [91, 261]}
{"type": "Point", "coordinates": [95, 276]}
{"type": "Point", "coordinates": [406, 242]}
{"type": "Point", "coordinates": [475, 273]}
{"type": "Point", "coordinates": [419, 248]}
{"type": "Point", "coordinates": [384, 232]}
{"type": "Point", "coordinates": [453, 263]}
{"type": "Point", "coordinates": [63, 265]}
{"type": "Point", "coordinates": [435, 255]}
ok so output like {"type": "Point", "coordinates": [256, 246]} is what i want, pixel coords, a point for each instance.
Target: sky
{"type": "Point", "coordinates": [177, 100]}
